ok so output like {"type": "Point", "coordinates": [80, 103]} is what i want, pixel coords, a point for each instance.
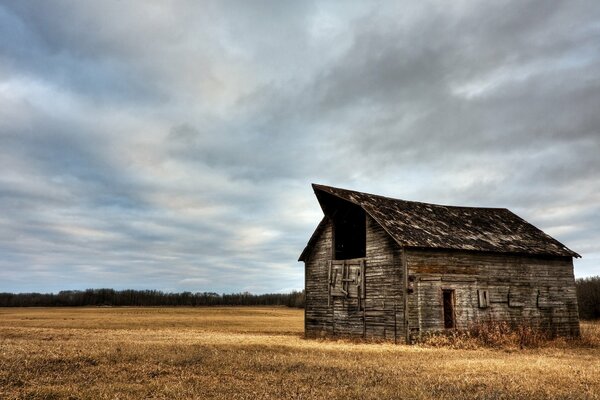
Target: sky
{"type": "Point", "coordinates": [171, 145]}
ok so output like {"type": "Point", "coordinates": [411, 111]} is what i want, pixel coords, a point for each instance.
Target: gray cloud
{"type": "Point", "coordinates": [171, 145]}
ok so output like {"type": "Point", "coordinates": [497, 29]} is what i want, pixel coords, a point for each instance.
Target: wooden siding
{"type": "Point", "coordinates": [318, 316]}
{"type": "Point", "coordinates": [380, 315]}
{"type": "Point", "coordinates": [521, 289]}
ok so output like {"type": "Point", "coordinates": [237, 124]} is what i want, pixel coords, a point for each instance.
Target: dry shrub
{"type": "Point", "coordinates": [590, 334]}
{"type": "Point", "coordinates": [499, 335]}
{"type": "Point", "coordinates": [502, 335]}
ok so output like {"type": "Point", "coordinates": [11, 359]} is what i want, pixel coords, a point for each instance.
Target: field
{"type": "Point", "coordinates": [259, 353]}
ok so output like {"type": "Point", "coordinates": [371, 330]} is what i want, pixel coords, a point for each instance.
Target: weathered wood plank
{"type": "Point", "coordinates": [519, 290]}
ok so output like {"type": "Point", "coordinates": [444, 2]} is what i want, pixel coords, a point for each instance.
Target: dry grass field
{"type": "Point", "coordinates": [259, 353]}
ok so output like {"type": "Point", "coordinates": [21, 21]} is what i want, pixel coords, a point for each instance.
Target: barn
{"type": "Point", "coordinates": [383, 268]}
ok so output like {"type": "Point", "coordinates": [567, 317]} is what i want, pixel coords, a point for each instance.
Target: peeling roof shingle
{"type": "Point", "coordinates": [423, 225]}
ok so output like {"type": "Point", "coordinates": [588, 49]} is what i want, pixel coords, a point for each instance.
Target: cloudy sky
{"type": "Point", "coordinates": [171, 145]}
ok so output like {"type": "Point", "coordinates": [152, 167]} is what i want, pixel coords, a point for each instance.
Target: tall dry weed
{"type": "Point", "coordinates": [490, 334]}
{"type": "Point", "coordinates": [590, 334]}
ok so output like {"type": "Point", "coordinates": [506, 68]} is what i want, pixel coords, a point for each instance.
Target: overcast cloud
{"type": "Point", "coordinates": [171, 145]}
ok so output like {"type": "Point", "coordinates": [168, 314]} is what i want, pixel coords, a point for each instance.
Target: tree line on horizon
{"type": "Point", "coordinates": [588, 298]}
{"type": "Point", "coordinates": [129, 297]}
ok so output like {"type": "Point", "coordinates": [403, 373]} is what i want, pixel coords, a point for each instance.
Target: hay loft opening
{"type": "Point", "coordinates": [349, 226]}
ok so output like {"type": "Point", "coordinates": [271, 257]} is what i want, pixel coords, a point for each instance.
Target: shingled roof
{"type": "Point", "coordinates": [423, 225]}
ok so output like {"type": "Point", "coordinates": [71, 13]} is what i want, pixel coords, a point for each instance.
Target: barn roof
{"type": "Point", "coordinates": [423, 225]}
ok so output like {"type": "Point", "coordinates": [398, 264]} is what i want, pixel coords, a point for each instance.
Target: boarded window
{"type": "Point", "coordinates": [482, 298]}
{"type": "Point", "coordinates": [517, 296]}
{"type": "Point", "coordinates": [549, 297]}
{"type": "Point", "coordinates": [346, 279]}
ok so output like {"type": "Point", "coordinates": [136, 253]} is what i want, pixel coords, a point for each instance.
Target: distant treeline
{"type": "Point", "coordinates": [588, 297]}
{"type": "Point", "coordinates": [111, 297]}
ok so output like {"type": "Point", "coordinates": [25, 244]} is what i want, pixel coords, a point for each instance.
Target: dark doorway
{"type": "Point", "coordinates": [448, 298]}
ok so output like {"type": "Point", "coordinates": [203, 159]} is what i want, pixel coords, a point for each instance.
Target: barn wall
{"type": "Point", "coordinates": [384, 308]}
{"type": "Point", "coordinates": [318, 315]}
{"type": "Point", "coordinates": [521, 289]}
{"type": "Point", "coordinates": [380, 314]}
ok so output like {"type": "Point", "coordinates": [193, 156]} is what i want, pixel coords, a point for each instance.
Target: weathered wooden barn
{"type": "Point", "coordinates": [383, 268]}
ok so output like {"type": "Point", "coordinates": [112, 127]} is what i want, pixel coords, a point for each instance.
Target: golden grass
{"type": "Point", "coordinates": [259, 353]}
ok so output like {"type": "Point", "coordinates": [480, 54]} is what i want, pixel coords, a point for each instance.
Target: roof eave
{"type": "Point", "coordinates": [309, 246]}
{"type": "Point", "coordinates": [569, 253]}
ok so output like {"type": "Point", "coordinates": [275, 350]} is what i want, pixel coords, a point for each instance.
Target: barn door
{"type": "Point", "coordinates": [346, 295]}
{"type": "Point", "coordinates": [448, 305]}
